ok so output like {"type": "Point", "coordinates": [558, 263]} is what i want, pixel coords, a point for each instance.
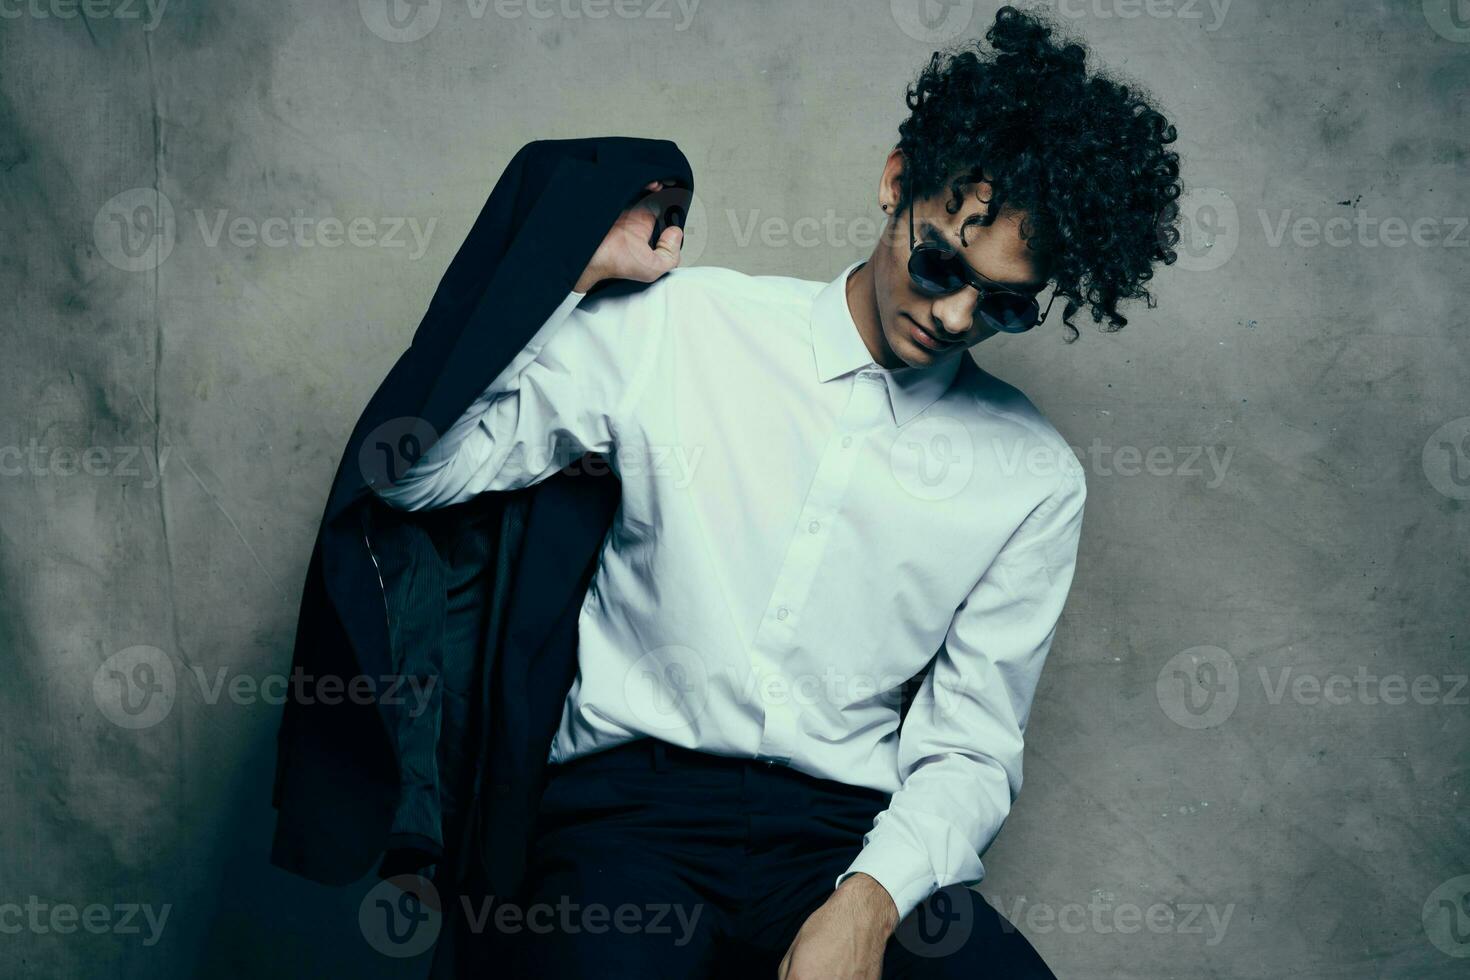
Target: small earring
{"type": "Point", "coordinates": [885, 209]}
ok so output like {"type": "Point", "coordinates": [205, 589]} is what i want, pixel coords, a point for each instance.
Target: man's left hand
{"type": "Point", "coordinates": [844, 938]}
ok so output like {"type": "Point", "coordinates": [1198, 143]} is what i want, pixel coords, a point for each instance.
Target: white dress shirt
{"type": "Point", "coordinates": [800, 531]}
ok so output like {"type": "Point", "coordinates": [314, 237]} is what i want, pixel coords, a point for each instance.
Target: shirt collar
{"type": "Point", "coordinates": [840, 350]}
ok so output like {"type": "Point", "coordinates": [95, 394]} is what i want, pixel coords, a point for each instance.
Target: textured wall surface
{"type": "Point", "coordinates": [1250, 754]}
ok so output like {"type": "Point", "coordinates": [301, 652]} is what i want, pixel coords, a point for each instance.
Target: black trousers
{"type": "Point", "coordinates": [650, 860]}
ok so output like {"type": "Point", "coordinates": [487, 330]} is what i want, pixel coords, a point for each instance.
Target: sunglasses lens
{"type": "Point", "coordinates": [940, 272]}
{"type": "Point", "coordinates": [934, 271]}
{"type": "Point", "coordinates": [1009, 313]}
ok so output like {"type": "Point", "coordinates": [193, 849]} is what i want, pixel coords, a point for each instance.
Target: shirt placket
{"type": "Point", "coordinates": [780, 626]}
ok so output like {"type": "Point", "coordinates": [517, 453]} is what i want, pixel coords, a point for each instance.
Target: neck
{"type": "Point", "coordinates": [862, 303]}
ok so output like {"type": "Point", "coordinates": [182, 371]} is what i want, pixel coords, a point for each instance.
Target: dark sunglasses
{"type": "Point", "coordinates": [937, 270]}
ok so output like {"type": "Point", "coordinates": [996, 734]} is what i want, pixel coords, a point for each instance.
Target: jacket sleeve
{"type": "Point", "coordinates": [562, 395]}
{"type": "Point", "coordinates": [960, 744]}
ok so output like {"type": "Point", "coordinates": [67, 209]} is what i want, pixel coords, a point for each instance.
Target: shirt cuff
{"type": "Point", "coordinates": [906, 874]}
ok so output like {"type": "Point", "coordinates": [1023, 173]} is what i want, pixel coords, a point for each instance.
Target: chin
{"type": "Point", "coordinates": [917, 356]}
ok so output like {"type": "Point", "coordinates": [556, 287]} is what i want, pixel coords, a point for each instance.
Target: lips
{"type": "Point", "coordinates": [927, 340]}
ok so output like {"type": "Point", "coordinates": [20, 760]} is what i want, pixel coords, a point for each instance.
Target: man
{"type": "Point", "coordinates": [823, 496]}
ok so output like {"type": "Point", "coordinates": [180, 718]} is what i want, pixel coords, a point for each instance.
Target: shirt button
{"type": "Point", "coordinates": [782, 613]}
{"type": "Point", "coordinates": [814, 526]}
{"type": "Point", "coordinates": [846, 441]}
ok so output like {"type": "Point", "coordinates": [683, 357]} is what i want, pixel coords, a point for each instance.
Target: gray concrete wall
{"type": "Point", "coordinates": [1250, 754]}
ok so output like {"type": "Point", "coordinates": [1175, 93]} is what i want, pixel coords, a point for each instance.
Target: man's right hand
{"type": "Point", "coordinates": [625, 252]}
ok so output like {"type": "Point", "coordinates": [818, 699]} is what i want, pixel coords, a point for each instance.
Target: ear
{"type": "Point", "coordinates": [890, 186]}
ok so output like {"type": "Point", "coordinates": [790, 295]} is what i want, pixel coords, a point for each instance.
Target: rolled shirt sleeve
{"type": "Point", "coordinates": [960, 744]}
{"type": "Point", "coordinates": [559, 397]}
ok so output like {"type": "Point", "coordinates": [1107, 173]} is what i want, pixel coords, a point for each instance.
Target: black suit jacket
{"type": "Point", "coordinates": [482, 597]}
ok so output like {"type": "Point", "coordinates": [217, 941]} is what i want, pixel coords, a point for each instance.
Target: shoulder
{"type": "Point", "coordinates": [715, 283]}
{"type": "Point", "coordinates": [711, 296]}
{"type": "Point", "coordinates": [710, 311]}
{"type": "Point", "coordinates": [1018, 431]}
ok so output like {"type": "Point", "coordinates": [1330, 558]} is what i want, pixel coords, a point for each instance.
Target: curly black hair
{"type": "Point", "coordinates": [1084, 155]}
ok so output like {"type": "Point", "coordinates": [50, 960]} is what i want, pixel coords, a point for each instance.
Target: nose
{"type": "Point", "coordinates": [952, 316]}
